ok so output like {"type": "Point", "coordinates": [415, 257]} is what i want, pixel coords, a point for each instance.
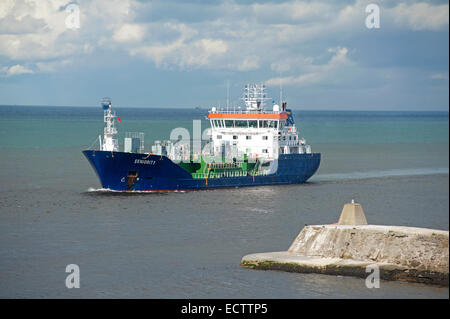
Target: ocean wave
{"type": "Point", "coordinates": [378, 174]}
{"type": "Point", "coordinates": [108, 190]}
{"type": "Point", "coordinates": [98, 190]}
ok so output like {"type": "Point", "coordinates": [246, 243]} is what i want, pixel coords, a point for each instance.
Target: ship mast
{"type": "Point", "coordinates": [255, 96]}
{"type": "Point", "coordinates": [228, 95]}
{"type": "Point", "coordinates": [281, 92]}
{"type": "Point", "coordinates": [109, 142]}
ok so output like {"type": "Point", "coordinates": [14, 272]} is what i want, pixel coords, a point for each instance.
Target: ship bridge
{"type": "Point", "coordinates": [254, 132]}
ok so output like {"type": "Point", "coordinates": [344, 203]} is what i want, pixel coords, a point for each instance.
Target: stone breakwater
{"type": "Point", "coordinates": [401, 253]}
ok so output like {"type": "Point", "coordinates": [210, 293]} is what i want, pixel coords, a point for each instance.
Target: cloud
{"type": "Point", "coordinates": [292, 12]}
{"type": "Point", "coordinates": [322, 44]}
{"type": "Point", "coordinates": [15, 70]}
{"type": "Point", "coordinates": [291, 63]}
{"type": "Point", "coordinates": [176, 45]}
{"type": "Point", "coordinates": [249, 63]}
{"type": "Point", "coordinates": [36, 29]}
{"type": "Point", "coordinates": [20, 24]}
{"type": "Point", "coordinates": [183, 54]}
{"type": "Point", "coordinates": [239, 36]}
{"type": "Point", "coordinates": [421, 16]}
{"type": "Point", "coordinates": [129, 33]}
{"type": "Point", "coordinates": [316, 73]}
{"type": "Point", "coordinates": [53, 66]}
{"type": "Point", "coordinates": [439, 76]}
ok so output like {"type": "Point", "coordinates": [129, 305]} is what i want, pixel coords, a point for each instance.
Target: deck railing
{"type": "Point", "coordinates": [240, 111]}
{"type": "Point", "coordinates": [226, 174]}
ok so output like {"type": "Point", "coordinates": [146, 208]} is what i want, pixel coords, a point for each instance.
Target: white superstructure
{"type": "Point", "coordinates": [255, 132]}
{"type": "Point", "coordinates": [109, 143]}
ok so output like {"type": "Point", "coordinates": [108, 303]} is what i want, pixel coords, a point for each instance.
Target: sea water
{"type": "Point", "coordinates": [189, 244]}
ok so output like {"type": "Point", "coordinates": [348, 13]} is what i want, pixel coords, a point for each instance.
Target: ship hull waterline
{"type": "Point", "coordinates": [135, 172]}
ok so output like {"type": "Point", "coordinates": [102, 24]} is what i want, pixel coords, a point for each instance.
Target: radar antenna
{"type": "Point", "coordinates": [255, 96]}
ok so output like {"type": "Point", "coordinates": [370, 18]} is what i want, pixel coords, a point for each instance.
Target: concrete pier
{"type": "Point", "coordinates": [352, 214]}
{"type": "Point", "coordinates": [401, 253]}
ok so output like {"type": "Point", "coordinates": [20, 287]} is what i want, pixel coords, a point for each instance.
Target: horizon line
{"type": "Point", "coordinates": [206, 108]}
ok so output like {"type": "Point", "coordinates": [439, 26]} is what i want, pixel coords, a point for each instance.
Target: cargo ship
{"type": "Point", "coordinates": [244, 146]}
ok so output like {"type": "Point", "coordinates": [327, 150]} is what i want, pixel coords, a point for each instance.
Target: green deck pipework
{"type": "Point", "coordinates": [235, 168]}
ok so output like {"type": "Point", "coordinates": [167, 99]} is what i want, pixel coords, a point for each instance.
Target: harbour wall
{"type": "Point", "coordinates": [400, 252]}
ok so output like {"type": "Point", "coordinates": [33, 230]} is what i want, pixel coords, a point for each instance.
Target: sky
{"type": "Point", "coordinates": [185, 53]}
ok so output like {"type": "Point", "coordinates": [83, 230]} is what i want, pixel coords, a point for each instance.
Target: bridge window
{"type": "Point", "coordinates": [253, 123]}
{"type": "Point", "coordinates": [272, 124]}
{"type": "Point", "coordinates": [241, 123]}
{"type": "Point", "coordinates": [229, 123]}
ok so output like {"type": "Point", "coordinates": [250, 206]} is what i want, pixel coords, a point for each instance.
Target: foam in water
{"type": "Point", "coordinates": [108, 190]}
{"type": "Point", "coordinates": [377, 174]}
{"type": "Point", "coordinates": [92, 189]}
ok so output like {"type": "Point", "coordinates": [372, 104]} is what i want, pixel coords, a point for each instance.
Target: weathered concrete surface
{"type": "Point", "coordinates": [352, 214]}
{"type": "Point", "coordinates": [402, 253]}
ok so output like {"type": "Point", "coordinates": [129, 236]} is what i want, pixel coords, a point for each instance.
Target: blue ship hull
{"type": "Point", "coordinates": [121, 171]}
